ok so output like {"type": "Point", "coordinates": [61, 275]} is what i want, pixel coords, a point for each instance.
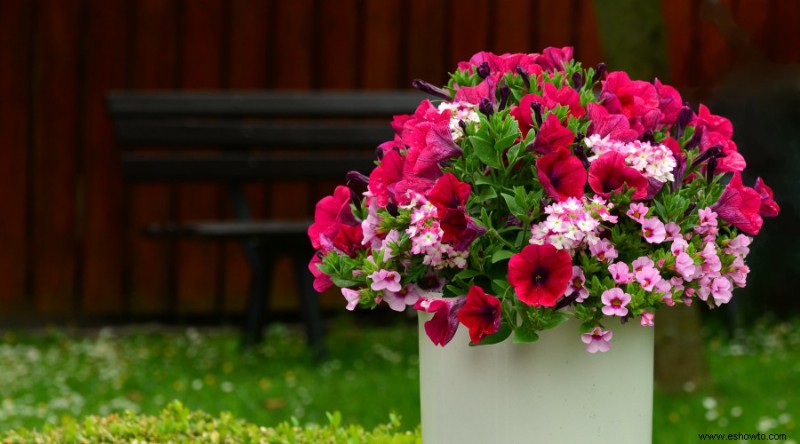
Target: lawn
{"type": "Point", "coordinates": [369, 374]}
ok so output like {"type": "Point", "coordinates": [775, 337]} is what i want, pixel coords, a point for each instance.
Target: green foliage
{"type": "Point", "coordinates": [178, 424]}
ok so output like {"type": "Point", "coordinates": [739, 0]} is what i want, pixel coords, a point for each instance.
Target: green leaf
{"type": "Point", "coordinates": [342, 283]}
{"type": "Point", "coordinates": [501, 335]}
{"type": "Point", "coordinates": [525, 335]}
{"type": "Point", "coordinates": [500, 255]}
{"type": "Point", "coordinates": [554, 320]}
{"type": "Point", "coordinates": [513, 204]}
{"type": "Point", "coordinates": [466, 274]}
{"type": "Point", "coordinates": [484, 150]}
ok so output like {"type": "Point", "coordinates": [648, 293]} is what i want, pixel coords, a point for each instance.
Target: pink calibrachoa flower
{"type": "Point", "coordinates": [647, 319]}
{"type": "Point", "coordinates": [615, 301]}
{"type": "Point", "coordinates": [620, 272]}
{"type": "Point", "coordinates": [540, 274]}
{"type": "Point", "coordinates": [385, 280]}
{"type": "Point", "coordinates": [399, 300]}
{"type": "Point", "coordinates": [603, 250]}
{"type": "Point", "coordinates": [597, 340]}
{"type": "Point", "coordinates": [648, 277]}
{"type": "Point", "coordinates": [673, 230]}
{"type": "Point", "coordinates": [576, 285]}
{"type": "Point", "coordinates": [352, 298]}
{"type": "Point", "coordinates": [641, 262]}
{"type": "Point", "coordinates": [637, 211]}
{"type": "Point", "coordinates": [679, 246]}
{"type": "Point", "coordinates": [721, 290]}
{"type": "Point", "coordinates": [653, 230]}
{"type": "Point", "coordinates": [711, 262]}
{"type": "Point", "coordinates": [480, 314]}
{"type": "Point", "coordinates": [442, 327]}
{"type": "Point", "coordinates": [684, 265]}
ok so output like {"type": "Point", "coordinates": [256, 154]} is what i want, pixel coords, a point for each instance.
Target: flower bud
{"type": "Point", "coordinates": [683, 119]}
{"type": "Point", "coordinates": [536, 107]}
{"type": "Point", "coordinates": [505, 92]}
{"type": "Point", "coordinates": [463, 125]}
{"type": "Point", "coordinates": [484, 70]}
{"type": "Point", "coordinates": [431, 89]}
{"type": "Point", "coordinates": [526, 78]}
{"type": "Point", "coordinates": [486, 107]}
{"type": "Point", "coordinates": [577, 80]}
{"type": "Point", "coordinates": [599, 72]}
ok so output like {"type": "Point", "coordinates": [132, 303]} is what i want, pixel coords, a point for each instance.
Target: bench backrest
{"type": "Point", "coordinates": [252, 136]}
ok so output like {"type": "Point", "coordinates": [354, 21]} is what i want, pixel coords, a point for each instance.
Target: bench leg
{"type": "Point", "coordinates": [310, 303]}
{"type": "Point", "coordinates": [260, 267]}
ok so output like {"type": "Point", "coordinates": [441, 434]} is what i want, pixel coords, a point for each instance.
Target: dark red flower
{"type": "Point", "coordinates": [331, 213]}
{"type": "Point", "coordinates": [562, 175]}
{"type": "Point", "coordinates": [540, 274]}
{"type": "Point", "coordinates": [769, 208]}
{"type": "Point", "coordinates": [449, 192]}
{"type": "Point", "coordinates": [459, 229]}
{"type": "Point", "coordinates": [442, 327]}
{"type": "Point", "coordinates": [349, 239]}
{"type": "Point", "coordinates": [552, 136]}
{"type": "Point", "coordinates": [480, 314]}
{"type": "Point", "coordinates": [739, 206]}
{"type": "Point", "coordinates": [609, 173]}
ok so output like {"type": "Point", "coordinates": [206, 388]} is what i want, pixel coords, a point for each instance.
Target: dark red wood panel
{"type": "Point", "coordinates": [338, 43]}
{"type": "Point", "coordinates": [428, 58]}
{"type": "Point", "coordinates": [513, 26]}
{"type": "Point", "coordinates": [105, 68]}
{"type": "Point", "coordinates": [470, 30]}
{"type": "Point", "coordinates": [153, 66]}
{"type": "Point", "coordinates": [383, 56]}
{"type": "Point", "coordinates": [55, 153]}
{"type": "Point", "coordinates": [201, 68]}
{"type": "Point", "coordinates": [555, 22]}
{"type": "Point", "coordinates": [294, 67]}
{"type": "Point", "coordinates": [679, 30]}
{"type": "Point", "coordinates": [716, 56]}
{"type": "Point", "coordinates": [784, 44]}
{"type": "Point", "coordinates": [15, 106]}
{"type": "Point", "coordinates": [247, 69]}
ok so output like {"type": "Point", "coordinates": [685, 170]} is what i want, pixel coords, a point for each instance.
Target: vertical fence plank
{"type": "Point", "coordinates": [677, 19]}
{"type": "Point", "coordinates": [151, 260]}
{"type": "Point", "coordinates": [54, 155]}
{"type": "Point", "coordinates": [105, 68]}
{"type": "Point", "coordinates": [247, 69]}
{"type": "Point", "coordinates": [513, 26]}
{"type": "Point", "coordinates": [15, 77]}
{"type": "Point", "coordinates": [338, 41]}
{"type": "Point", "coordinates": [715, 51]}
{"type": "Point", "coordinates": [587, 40]}
{"type": "Point", "coordinates": [470, 30]}
{"type": "Point", "coordinates": [555, 22]}
{"type": "Point", "coordinates": [428, 57]}
{"type": "Point", "coordinates": [200, 66]}
{"type": "Point", "coordinates": [382, 66]}
{"type": "Point", "coordinates": [294, 68]}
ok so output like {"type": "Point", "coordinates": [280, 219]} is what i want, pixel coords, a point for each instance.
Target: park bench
{"type": "Point", "coordinates": [234, 138]}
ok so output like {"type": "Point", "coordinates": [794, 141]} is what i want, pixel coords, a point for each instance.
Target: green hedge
{"type": "Point", "coordinates": [177, 424]}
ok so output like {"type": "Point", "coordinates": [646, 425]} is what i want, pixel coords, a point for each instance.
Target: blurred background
{"type": "Point", "coordinates": [72, 248]}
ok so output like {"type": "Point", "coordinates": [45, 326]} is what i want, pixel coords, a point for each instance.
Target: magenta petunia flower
{"type": "Point", "coordinates": [322, 281]}
{"type": "Point", "coordinates": [552, 136]}
{"type": "Point", "coordinates": [449, 192]}
{"type": "Point", "coordinates": [562, 175]}
{"type": "Point", "coordinates": [768, 208]}
{"type": "Point", "coordinates": [597, 340]}
{"type": "Point", "coordinates": [540, 274]}
{"type": "Point", "coordinates": [442, 327]}
{"type": "Point", "coordinates": [383, 178]}
{"type": "Point", "coordinates": [739, 206]}
{"type": "Point", "coordinates": [637, 100]}
{"type": "Point", "coordinates": [609, 173]}
{"type": "Point", "coordinates": [615, 302]}
{"type": "Point", "coordinates": [331, 214]}
{"type": "Point", "coordinates": [615, 126]}
{"type": "Point", "coordinates": [480, 314]}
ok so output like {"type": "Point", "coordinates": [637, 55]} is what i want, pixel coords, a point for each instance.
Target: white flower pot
{"type": "Point", "coordinates": [551, 391]}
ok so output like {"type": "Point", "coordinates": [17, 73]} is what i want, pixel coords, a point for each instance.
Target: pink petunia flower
{"type": "Point", "coordinates": [615, 301]}
{"type": "Point", "coordinates": [480, 314]}
{"type": "Point", "coordinates": [385, 280]}
{"type": "Point", "coordinates": [442, 327]}
{"type": "Point", "coordinates": [621, 273]}
{"type": "Point", "coordinates": [653, 230]}
{"type": "Point", "coordinates": [647, 319]}
{"type": "Point", "coordinates": [597, 340]}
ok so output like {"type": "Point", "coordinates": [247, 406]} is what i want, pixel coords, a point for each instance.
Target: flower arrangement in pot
{"type": "Point", "coordinates": [532, 190]}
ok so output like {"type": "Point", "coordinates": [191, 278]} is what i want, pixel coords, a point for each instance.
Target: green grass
{"type": "Point", "coordinates": [371, 373]}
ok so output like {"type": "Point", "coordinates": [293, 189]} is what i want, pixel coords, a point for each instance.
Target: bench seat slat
{"type": "Point", "coordinates": [244, 167]}
{"type": "Point", "coordinates": [264, 104]}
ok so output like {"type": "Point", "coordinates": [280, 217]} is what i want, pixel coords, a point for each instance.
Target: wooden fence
{"type": "Point", "coordinates": [71, 242]}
